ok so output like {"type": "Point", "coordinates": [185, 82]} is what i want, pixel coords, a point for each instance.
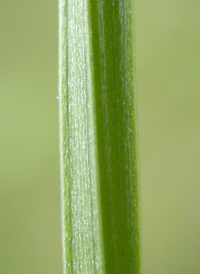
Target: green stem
{"type": "Point", "coordinates": [98, 137]}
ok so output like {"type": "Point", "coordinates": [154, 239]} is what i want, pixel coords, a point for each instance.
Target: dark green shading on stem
{"type": "Point", "coordinates": [98, 137]}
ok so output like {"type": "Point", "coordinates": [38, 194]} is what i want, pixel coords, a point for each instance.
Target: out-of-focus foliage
{"type": "Point", "coordinates": [168, 84]}
{"type": "Point", "coordinates": [168, 80]}
{"type": "Point", "coordinates": [29, 169]}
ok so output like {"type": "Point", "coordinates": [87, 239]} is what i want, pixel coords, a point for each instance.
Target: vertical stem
{"type": "Point", "coordinates": [98, 137]}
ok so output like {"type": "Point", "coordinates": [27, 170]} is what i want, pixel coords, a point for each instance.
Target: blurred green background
{"type": "Point", "coordinates": [168, 81]}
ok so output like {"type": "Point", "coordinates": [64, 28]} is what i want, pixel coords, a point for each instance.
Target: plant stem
{"type": "Point", "coordinates": [98, 137]}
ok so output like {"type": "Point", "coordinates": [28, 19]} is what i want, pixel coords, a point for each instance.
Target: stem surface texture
{"type": "Point", "coordinates": [98, 137]}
